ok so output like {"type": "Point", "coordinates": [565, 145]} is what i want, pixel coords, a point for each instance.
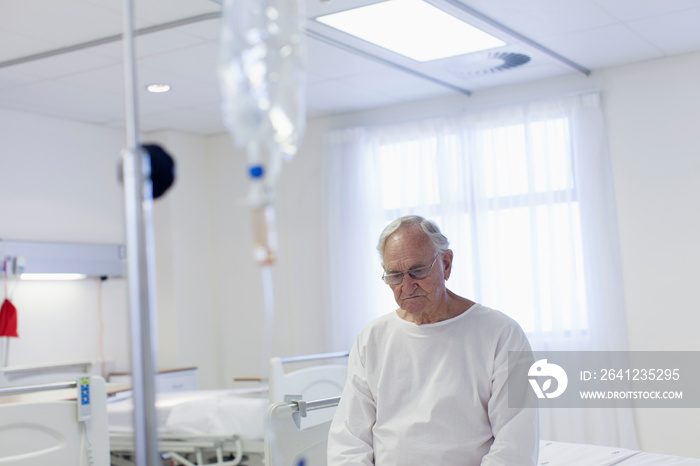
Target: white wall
{"type": "Point", "coordinates": [187, 319]}
{"type": "Point", "coordinates": [653, 122]}
{"type": "Point", "coordinates": [299, 322]}
{"type": "Point", "coordinates": [59, 183]}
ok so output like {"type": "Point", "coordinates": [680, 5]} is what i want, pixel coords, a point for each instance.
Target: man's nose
{"type": "Point", "coordinates": [409, 281]}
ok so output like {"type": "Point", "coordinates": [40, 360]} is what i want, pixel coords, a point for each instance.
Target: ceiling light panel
{"type": "Point", "coordinates": [455, 63]}
{"type": "Point", "coordinates": [412, 28]}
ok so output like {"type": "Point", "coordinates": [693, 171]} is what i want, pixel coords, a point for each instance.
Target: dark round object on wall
{"type": "Point", "coordinates": [162, 169]}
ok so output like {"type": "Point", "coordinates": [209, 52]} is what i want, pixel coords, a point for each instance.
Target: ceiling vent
{"type": "Point", "coordinates": [471, 66]}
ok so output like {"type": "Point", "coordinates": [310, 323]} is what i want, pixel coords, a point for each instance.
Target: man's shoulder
{"type": "Point", "coordinates": [492, 318]}
{"type": "Point", "coordinates": [380, 322]}
{"type": "Point", "coordinates": [379, 326]}
{"type": "Point", "coordinates": [498, 328]}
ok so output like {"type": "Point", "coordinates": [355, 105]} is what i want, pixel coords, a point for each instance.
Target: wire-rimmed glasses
{"type": "Point", "coordinates": [416, 274]}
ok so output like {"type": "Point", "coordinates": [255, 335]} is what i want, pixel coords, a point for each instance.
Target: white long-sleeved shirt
{"type": "Point", "coordinates": [433, 394]}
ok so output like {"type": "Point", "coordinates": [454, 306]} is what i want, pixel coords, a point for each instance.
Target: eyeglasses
{"type": "Point", "coordinates": [416, 274]}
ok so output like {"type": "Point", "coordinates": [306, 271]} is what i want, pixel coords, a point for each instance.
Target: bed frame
{"type": "Point", "coordinates": [317, 382]}
{"type": "Point", "coordinates": [287, 443]}
{"type": "Point", "coordinates": [39, 426]}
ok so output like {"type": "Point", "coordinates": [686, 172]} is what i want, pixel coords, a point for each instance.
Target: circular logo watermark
{"type": "Point", "coordinates": [548, 372]}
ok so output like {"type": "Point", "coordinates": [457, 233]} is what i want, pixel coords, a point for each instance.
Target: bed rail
{"type": "Point", "coordinates": [302, 407]}
{"type": "Point", "coordinates": [286, 442]}
{"type": "Point", "coordinates": [37, 388]}
{"type": "Point", "coordinates": [315, 357]}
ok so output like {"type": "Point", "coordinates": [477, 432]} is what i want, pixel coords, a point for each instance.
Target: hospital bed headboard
{"type": "Point", "coordinates": [311, 383]}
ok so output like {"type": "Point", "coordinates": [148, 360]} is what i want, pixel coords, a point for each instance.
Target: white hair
{"type": "Point", "coordinates": [429, 227]}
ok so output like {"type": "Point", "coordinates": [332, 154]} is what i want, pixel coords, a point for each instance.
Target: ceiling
{"type": "Point", "coordinates": [179, 46]}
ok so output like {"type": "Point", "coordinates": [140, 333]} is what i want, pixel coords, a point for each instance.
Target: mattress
{"type": "Point", "coordinates": [207, 412]}
{"type": "Point", "coordinates": [574, 454]}
{"type": "Point", "coordinates": [653, 459]}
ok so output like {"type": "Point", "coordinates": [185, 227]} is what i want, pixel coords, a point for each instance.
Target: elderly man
{"type": "Point", "coordinates": [427, 384]}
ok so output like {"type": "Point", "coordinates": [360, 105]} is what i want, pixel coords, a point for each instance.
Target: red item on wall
{"type": "Point", "coordinates": [8, 319]}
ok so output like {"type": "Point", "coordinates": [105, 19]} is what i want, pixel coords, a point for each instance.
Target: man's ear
{"type": "Point", "coordinates": [447, 262]}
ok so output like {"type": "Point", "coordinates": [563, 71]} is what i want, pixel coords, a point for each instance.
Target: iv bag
{"type": "Point", "coordinates": [262, 73]}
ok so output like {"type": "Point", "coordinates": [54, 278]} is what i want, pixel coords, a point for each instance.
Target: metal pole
{"type": "Point", "coordinates": [138, 209]}
{"type": "Point", "coordinates": [138, 221]}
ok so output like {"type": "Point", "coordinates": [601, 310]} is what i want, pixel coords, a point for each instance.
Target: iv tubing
{"type": "Point", "coordinates": [264, 242]}
{"type": "Point", "coordinates": [138, 204]}
{"type": "Point", "coordinates": [269, 309]}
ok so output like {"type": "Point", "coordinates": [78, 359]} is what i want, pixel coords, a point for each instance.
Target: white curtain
{"type": "Point", "coordinates": [525, 195]}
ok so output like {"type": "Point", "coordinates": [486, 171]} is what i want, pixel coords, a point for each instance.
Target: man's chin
{"type": "Point", "coordinates": [412, 305]}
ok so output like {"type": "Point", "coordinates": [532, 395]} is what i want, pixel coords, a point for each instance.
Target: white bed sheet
{"type": "Point", "coordinates": [219, 412]}
{"type": "Point", "coordinates": [653, 459]}
{"type": "Point", "coordinates": [573, 454]}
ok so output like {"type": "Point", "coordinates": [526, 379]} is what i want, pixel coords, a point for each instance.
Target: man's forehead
{"type": "Point", "coordinates": [408, 234]}
{"type": "Point", "coordinates": [408, 244]}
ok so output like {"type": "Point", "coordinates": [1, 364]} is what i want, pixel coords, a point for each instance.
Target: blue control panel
{"type": "Point", "coordinates": [84, 398]}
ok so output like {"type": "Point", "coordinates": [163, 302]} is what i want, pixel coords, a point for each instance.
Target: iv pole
{"type": "Point", "coordinates": [138, 209]}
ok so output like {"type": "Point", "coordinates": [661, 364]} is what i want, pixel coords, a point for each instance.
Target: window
{"type": "Point", "coordinates": [525, 195]}
{"type": "Point", "coordinates": [528, 220]}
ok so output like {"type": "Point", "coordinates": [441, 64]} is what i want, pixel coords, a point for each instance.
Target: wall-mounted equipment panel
{"type": "Point", "coordinates": [36, 257]}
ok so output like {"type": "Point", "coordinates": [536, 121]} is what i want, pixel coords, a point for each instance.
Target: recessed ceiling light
{"type": "Point", "coordinates": [412, 28]}
{"type": "Point", "coordinates": [156, 88]}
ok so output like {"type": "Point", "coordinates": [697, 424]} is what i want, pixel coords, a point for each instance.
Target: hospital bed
{"type": "Point", "coordinates": [40, 426]}
{"type": "Point", "coordinates": [218, 427]}
{"type": "Point", "coordinates": [224, 427]}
